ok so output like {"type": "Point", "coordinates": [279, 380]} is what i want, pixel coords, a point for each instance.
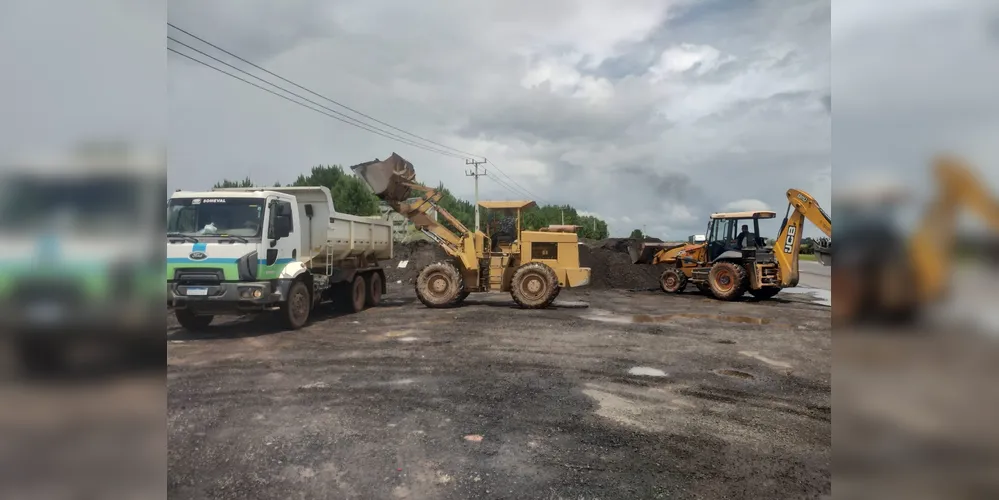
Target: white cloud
{"type": "Point", "coordinates": [747, 205]}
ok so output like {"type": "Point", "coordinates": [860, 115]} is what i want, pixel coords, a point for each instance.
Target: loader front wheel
{"type": "Point", "coordinates": [439, 285]}
{"type": "Point", "coordinates": [673, 281]}
{"type": "Point", "coordinates": [727, 280]}
{"type": "Point", "coordinates": [534, 286]}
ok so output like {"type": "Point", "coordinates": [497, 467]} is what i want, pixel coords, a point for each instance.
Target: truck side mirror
{"type": "Point", "coordinates": [282, 226]}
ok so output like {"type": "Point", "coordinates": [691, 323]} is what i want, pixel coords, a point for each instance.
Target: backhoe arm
{"type": "Point", "coordinates": [931, 246]}
{"type": "Point", "coordinates": [801, 205]}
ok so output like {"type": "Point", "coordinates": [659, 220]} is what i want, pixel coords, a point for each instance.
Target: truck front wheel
{"type": "Point", "coordinates": [295, 310]}
{"type": "Point", "coordinates": [191, 321]}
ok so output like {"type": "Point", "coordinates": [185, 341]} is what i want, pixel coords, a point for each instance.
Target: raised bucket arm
{"type": "Point", "coordinates": [392, 180]}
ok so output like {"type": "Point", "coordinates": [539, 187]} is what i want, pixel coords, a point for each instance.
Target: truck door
{"type": "Point", "coordinates": [279, 251]}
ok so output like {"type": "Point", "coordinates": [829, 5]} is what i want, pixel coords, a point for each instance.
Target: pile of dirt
{"type": "Point", "coordinates": [412, 257]}
{"type": "Point", "coordinates": [608, 260]}
{"type": "Point", "coordinates": [611, 267]}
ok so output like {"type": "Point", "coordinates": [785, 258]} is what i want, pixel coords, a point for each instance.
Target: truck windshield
{"type": "Point", "coordinates": [89, 204]}
{"type": "Point", "coordinates": [216, 216]}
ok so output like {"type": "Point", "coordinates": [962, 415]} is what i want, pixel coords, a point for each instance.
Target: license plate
{"type": "Point", "coordinates": [197, 291]}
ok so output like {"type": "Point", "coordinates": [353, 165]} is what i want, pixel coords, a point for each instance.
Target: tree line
{"type": "Point", "coordinates": [352, 196]}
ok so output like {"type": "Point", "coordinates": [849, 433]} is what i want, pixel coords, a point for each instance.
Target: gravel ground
{"type": "Point", "coordinates": [640, 395]}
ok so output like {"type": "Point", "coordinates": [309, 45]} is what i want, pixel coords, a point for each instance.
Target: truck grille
{"type": "Point", "coordinates": [198, 277]}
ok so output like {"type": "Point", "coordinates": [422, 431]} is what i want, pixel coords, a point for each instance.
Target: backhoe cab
{"type": "Point", "coordinates": [734, 258]}
{"type": "Point", "coordinates": [533, 266]}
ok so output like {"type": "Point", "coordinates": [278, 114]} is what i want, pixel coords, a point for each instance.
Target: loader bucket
{"type": "Point", "coordinates": [643, 252]}
{"type": "Point", "coordinates": [389, 178]}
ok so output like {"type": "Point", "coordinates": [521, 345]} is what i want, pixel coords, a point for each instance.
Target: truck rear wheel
{"type": "Point", "coordinates": [191, 321]}
{"type": "Point", "coordinates": [295, 311]}
{"type": "Point", "coordinates": [439, 285]}
{"type": "Point", "coordinates": [534, 286]}
{"type": "Point", "coordinates": [358, 292]}
{"type": "Point", "coordinates": [375, 287]}
{"type": "Point", "coordinates": [727, 280]}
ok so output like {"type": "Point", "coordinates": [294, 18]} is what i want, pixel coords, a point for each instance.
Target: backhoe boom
{"type": "Point", "coordinates": [801, 206]}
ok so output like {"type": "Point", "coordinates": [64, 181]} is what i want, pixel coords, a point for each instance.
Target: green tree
{"type": "Point", "coordinates": [637, 235]}
{"type": "Point", "coordinates": [352, 196]}
{"type": "Point", "coordinates": [226, 183]}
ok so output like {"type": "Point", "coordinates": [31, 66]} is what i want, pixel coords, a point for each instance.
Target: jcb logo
{"type": "Point", "coordinates": [789, 241]}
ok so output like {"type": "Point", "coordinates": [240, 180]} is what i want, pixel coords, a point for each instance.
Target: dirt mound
{"type": "Point", "coordinates": [415, 256]}
{"type": "Point", "coordinates": [620, 244]}
{"type": "Point", "coordinates": [611, 267]}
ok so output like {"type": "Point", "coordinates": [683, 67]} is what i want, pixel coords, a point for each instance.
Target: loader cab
{"type": "Point", "coordinates": [724, 230]}
{"type": "Point", "coordinates": [505, 230]}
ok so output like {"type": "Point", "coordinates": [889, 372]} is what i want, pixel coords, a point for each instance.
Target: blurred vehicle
{"type": "Point", "coordinates": [79, 261]}
{"type": "Point", "coordinates": [882, 275]}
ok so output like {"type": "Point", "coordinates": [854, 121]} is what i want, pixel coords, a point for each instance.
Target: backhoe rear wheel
{"type": "Point", "coordinates": [673, 280]}
{"type": "Point", "coordinates": [439, 285]}
{"type": "Point", "coordinates": [534, 286]}
{"type": "Point", "coordinates": [727, 280]}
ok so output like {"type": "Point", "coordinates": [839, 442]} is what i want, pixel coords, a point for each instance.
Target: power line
{"type": "Point", "coordinates": [320, 95]}
{"type": "Point", "coordinates": [522, 188]}
{"type": "Point", "coordinates": [353, 121]}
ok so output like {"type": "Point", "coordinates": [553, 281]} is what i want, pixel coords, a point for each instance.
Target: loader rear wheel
{"type": "Point", "coordinates": [375, 287]}
{"type": "Point", "coordinates": [439, 285]}
{"type": "Point", "coordinates": [727, 280]}
{"type": "Point", "coordinates": [534, 286]}
{"type": "Point", "coordinates": [672, 281]}
{"type": "Point", "coordinates": [765, 293]}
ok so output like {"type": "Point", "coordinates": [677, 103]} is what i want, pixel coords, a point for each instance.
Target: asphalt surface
{"type": "Point", "coordinates": [814, 275]}
{"type": "Point", "coordinates": [639, 395]}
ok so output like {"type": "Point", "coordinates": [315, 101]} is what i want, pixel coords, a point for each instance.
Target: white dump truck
{"type": "Point", "coordinates": [238, 250]}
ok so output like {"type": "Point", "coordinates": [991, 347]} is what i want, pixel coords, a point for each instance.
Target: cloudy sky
{"type": "Point", "coordinates": [684, 107]}
{"type": "Point", "coordinates": [647, 112]}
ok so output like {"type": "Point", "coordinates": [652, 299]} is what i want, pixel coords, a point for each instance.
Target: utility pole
{"type": "Point", "coordinates": [475, 174]}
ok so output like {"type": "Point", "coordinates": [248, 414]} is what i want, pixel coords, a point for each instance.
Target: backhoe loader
{"type": "Point", "coordinates": [533, 266]}
{"type": "Point", "coordinates": [881, 275]}
{"type": "Point", "coordinates": [730, 263]}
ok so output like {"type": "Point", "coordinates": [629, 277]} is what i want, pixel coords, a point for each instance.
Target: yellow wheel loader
{"type": "Point", "coordinates": [532, 266]}
{"type": "Point", "coordinates": [734, 259]}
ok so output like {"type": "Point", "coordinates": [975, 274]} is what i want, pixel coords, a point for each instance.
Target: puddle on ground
{"type": "Point", "coordinates": [662, 318]}
{"type": "Point", "coordinates": [771, 362]}
{"type": "Point", "coordinates": [735, 373]}
{"type": "Point", "coordinates": [646, 372]}
{"type": "Point", "coordinates": [724, 341]}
